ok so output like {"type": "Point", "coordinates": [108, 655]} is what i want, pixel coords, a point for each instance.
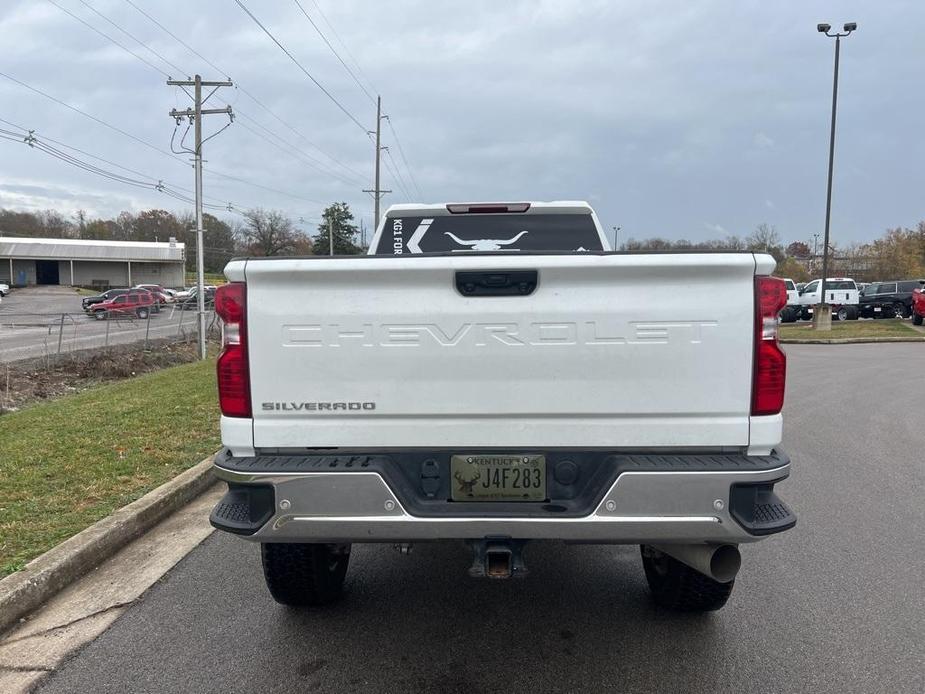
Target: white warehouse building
{"type": "Point", "coordinates": [90, 262]}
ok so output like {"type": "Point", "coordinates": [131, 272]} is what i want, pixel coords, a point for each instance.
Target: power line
{"type": "Point", "coordinates": [35, 143]}
{"type": "Point", "coordinates": [401, 152]}
{"type": "Point", "coordinates": [393, 169]}
{"type": "Point", "coordinates": [211, 172]}
{"type": "Point", "coordinates": [157, 149]}
{"type": "Point", "coordinates": [178, 39]}
{"type": "Point", "coordinates": [336, 54]}
{"type": "Point", "coordinates": [91, 117]}
{"type": "Point", "coordinates": [240, 88]}
{"type": "Point", "coordinates": [344, 46]}
{"type": "Point", "coordinates": [290, 148]}
{"type": "Point", "coordinates": [166, 187]}
{"type": "Point", "coordinates": [301, 67]}
{"type": "Point", "coordinates": [108, 37]}
{"type": "Point", "coordinates": [133, 37]}
{"type": "Point", "coordinates": [359, 84]}
{"type": "Point", "coordinates": [99, 158]}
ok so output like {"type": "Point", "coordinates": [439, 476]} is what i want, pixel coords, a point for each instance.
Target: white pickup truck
{"type": "Point", "coordinates": [495, 374]}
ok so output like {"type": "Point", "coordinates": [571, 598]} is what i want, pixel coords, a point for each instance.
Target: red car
{"type": "Point", "coordinates": [918, 305]}
{"type": "Point", "coordinates": [137, 302]}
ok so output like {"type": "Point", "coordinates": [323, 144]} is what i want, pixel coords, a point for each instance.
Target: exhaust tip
{"type": "Point", "coordinates": [725, 563]}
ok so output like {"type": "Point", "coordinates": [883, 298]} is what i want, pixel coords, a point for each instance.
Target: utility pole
{"type": "Point", "coordinates": [195, 115]}
{"type": "Point", "coordinates": [377, 192]}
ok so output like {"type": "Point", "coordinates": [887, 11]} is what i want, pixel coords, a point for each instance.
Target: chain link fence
{"type": "Point", "coordinates": [25, 335]}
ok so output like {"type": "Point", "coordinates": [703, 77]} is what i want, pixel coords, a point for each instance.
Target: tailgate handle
{"type": "Point", "coordinates": [496, 283]}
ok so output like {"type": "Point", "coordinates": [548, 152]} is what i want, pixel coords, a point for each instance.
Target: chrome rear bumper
{"type": "Point", "coordinates": [639, 507]}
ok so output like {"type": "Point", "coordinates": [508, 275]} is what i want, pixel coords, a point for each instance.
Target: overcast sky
{"type": "Point", "coordinates": [679, 119]}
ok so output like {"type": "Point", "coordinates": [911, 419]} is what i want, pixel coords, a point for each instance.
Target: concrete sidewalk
{"type": "Point", "coordinates": [85, 609]}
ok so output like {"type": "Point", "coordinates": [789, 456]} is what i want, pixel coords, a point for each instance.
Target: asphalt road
{"type": "Point", "coordinates": [30, 324]}
{"type": "Point", "coordinates": [835, 605]}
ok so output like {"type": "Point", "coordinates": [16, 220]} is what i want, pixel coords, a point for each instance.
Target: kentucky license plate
{"type": "Point", "coordinates": [498, 477]}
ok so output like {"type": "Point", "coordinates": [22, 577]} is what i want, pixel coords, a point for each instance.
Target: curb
{"type": "Point", "coordinates": [846, 340]}
{"type": "Point", "coordinates": [27, 589]}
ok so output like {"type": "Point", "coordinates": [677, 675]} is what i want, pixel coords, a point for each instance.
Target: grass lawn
{"type": "Point", "coordinates": [67, 463]}
{"type": "Point", "coordinates": [851, 329]}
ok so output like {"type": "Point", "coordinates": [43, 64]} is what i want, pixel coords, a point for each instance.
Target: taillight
{"type": "Point", "coordinates": [234, 388]}
{"type": "Point", "coordinates": [770, 366]}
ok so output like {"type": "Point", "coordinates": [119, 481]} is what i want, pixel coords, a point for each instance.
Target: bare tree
{"type": "Point", "coordinates": [269, 233]}
{"type": "Point", "coordinates": [765, 238]}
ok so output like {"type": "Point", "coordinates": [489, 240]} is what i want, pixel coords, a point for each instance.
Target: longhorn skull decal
{"type": "Point", "coordinates": [486, 244]}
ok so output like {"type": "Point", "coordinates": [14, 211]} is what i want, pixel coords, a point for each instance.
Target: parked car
{"type": "Point", "coordinates": [191, 303]}
{"type": "Point", "coordinates": [160, 294]}
{"type": "Point", "coordinates": [840, 292]}
{"type": "Point", "coordinates": [892, 299]}
{"type": "Point", "coordinates": [134, 302]}
{"type": "Point", "coordinates": [792, 310]}
{"type": "Point", "coordinates": [4, 289]}
{"type": "Point", "coordinates": [89, 301]}
{"type": "Point", "coordinates": [918, 304]}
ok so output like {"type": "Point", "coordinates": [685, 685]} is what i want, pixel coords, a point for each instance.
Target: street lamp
{"type": "Point", "coordinates": [616, 232]}
{"type": "Point", "coordinates": [821, 321]}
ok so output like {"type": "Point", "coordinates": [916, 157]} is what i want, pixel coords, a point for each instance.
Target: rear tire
{"type": "Point", "coordinates": [899, 310]}
{"type": "Point", "coordinates": [916, 319]}
{"type": "Point", "coordinates": [842, 313]}
{"type": "Point", "coordinates": [300, 574]}
{"type": "Point", "coordinates": [100, 315]}
{"type": "Point", "coordinates": [676, 586]}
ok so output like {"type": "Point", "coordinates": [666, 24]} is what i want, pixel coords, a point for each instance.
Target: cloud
{"type": "Point", "coordinates": [762, 141]}
{"type": "Point", "coordinates": [662, 112]}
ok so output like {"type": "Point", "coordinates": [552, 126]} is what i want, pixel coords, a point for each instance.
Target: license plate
{"type": "Point", "coordinates": [498, 477]}
{"type": "Point", "coordinates": [877, 309]}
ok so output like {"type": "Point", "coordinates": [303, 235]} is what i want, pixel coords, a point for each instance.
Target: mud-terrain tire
{"type": "Point", "coordinates": [676, 586]}
{"type": "Point", "coordinates": [304, 574]}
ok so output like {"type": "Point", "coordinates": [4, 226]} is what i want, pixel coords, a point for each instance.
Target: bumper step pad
{"type": "Point", "coordinates": [759, 510]}
{"type": "Point", "coordinates": [244, 509]}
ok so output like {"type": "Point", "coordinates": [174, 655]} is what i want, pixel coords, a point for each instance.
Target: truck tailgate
{"type": "Point", "coordinates": [608, 350]}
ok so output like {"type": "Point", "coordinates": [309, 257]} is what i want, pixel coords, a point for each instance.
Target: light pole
{"type": "Point", "coordinates": [822, 316]}
{"type": "Point", "coordinates": [616, 233]}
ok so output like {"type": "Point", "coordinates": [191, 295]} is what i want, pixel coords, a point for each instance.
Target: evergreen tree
{"type": "Point", "coordinates": [339, 219]}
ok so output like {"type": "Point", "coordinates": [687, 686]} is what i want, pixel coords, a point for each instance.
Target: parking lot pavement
{"type": "Point", "coordinates": [31, 322]}
{"type": "Point", "coordinates": [43, 299]}
{"type": "Point", "coordinates": [835, 605]}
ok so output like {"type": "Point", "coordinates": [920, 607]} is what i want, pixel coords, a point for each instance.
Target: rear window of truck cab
{"type": "Point", "coordinates": [512, 233]}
